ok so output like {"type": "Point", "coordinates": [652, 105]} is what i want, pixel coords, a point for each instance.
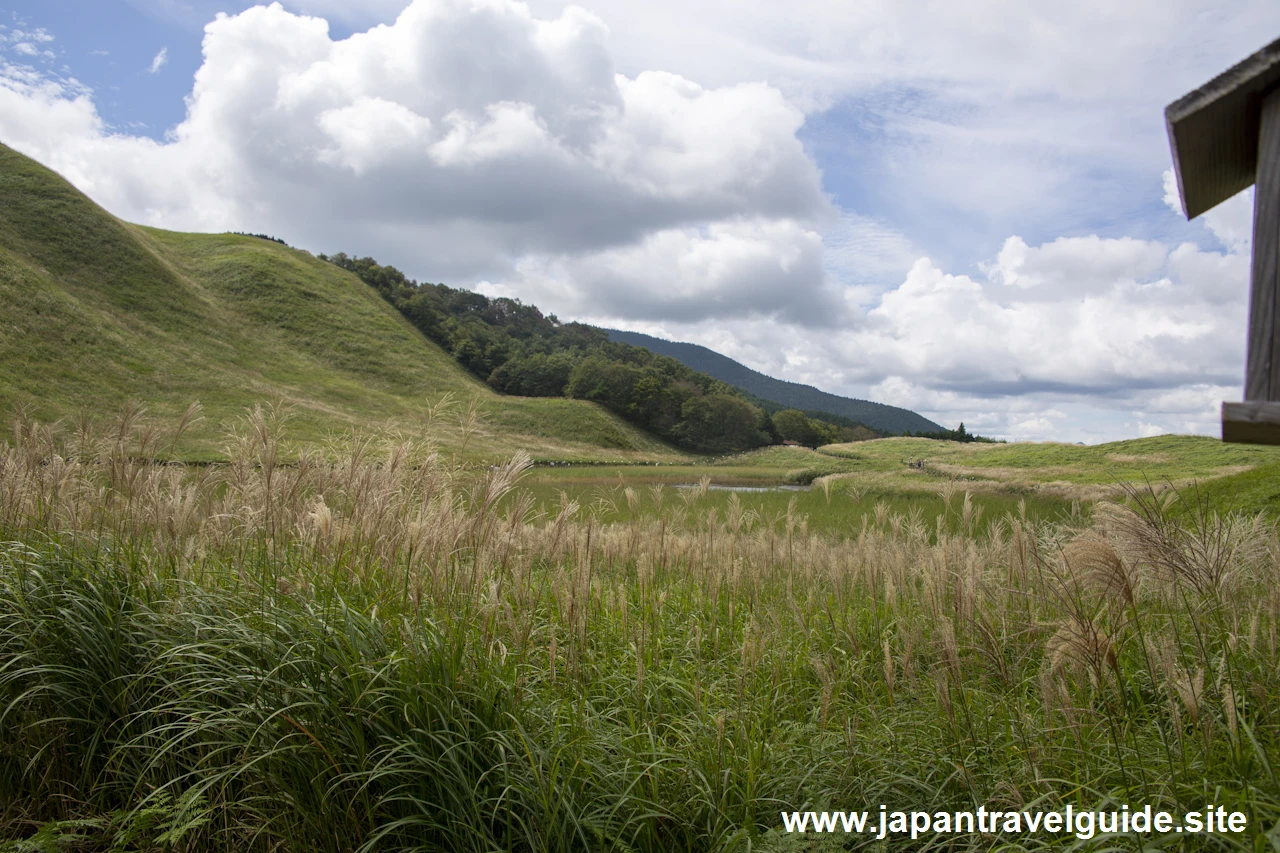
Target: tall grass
{"type": "Point", "coordinates": [373, 648]}
{"type": "Point", "coordinates": [832, 506]}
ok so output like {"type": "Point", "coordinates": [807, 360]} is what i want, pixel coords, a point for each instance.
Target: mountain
{"type": "Point", "coordinates": [806, 398]}
{"type": "Point", "coordinates": [99, 313]}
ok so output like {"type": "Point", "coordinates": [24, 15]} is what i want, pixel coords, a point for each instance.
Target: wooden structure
{"type": "Point", "coordinates": [1225, 136]}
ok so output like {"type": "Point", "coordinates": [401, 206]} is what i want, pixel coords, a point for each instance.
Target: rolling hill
{"type": "Point", "coordinates": [892, 419]}
{"type": "Point", "coordinates": [99, 313]}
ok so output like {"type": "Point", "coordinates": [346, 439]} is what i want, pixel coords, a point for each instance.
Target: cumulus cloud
{"type": "Point", "coordinates": [961, 333]}
{"type": "Point", "coordinates": [1091, 337]}
{"type": "Point", "coordinates": [967, 120]}
{"type": "Point", "coordinates": [987, 113]}
{"type": "Point", "coordinates": [1102, 317]}
{"type": "Point", "coordinates": [727, 270]}
{"type": "Point", "coordinates": [1084, 264]}
{"type": "Point", "coordinates": [468, 141]}
{"type": "Point", "coordinates": [1146, 430]}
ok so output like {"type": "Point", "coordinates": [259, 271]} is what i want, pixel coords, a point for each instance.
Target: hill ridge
{"type": "Point", "coordinates": [880, 416]}
{"type": "Point", "coordinates": [101, 312]}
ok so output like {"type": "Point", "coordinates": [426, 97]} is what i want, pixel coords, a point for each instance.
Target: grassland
{"type": "Point", "coordinates": [100, 314]}
{"type": "Point", "coordinates": [831, 507]}
{"type": "Point", "coordinates": [1068, 469]}
{"type": "Point", "coordinates": [373, 626]}
{"type": "Point", "coordinates": [386, 648]}
{"type": "Point", "coordinates": [844, 483]}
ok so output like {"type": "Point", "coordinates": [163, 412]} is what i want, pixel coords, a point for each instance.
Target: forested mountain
{"type": "Point", "coordinates": [518, 350]}
{"type": "Point", "coordinates": [878, 416]}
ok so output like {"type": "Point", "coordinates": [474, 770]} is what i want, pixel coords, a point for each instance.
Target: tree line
{"type": "Point", "coordinates": [517, 349]}
{"type": "Point", "coordinates": [957, 434]}
{"type": "Point", "coordinates": [259, 236]}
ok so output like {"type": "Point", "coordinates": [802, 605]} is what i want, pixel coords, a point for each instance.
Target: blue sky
{"type": "Point", "coordinates": [958, 207]}
{"type": "Point", "coordinates": [110, 47]}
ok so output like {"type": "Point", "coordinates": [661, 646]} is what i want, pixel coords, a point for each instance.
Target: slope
{"type": "Point", "coordinates": [99, 313]}
{"type": "Point", "coordinates": [879, 416]}
{"type": "Point", "coordinates": [1202, 468]}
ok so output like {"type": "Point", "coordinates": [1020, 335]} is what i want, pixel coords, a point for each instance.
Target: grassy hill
{"type": "Point", "coordinates": [793, 395]}
{"type": "Point", "coordinates": [1171, 457]}
{"type": "Point", "coordinates": [1230, 476]}
{"type": "Point", "coordinates": [99, 312]}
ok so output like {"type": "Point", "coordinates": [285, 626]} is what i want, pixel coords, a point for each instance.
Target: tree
{"type": "Point", "coordinates": [717, 423]}
{"type": "Point", "coordinates": [518, 350]}
{"type": "Point", "coordinates": [533, 375]}
{"type": "Point", "coordinates": [767, 428]}
{"type": "Point", "coordinates": [792, 425]}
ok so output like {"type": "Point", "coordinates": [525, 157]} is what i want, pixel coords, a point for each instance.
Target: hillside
{"type": "Point", "coordinates": [1225, 477]}
{"type": "Point", "coordinates": [99, 312]}
{"type": "Point", "coordinates": [892, 419]}
{"type": "Point", "coordinates": [1174, 458]}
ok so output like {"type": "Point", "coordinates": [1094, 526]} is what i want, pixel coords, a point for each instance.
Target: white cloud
{"type": "Point", "coordinates": [727, 270]}
{"type": "Point", "coordinates": [640, 174]}
{"type": "Point", "coordinates": [1087, 313]}
{"type": "Point", "coordinates": [1085, 264]}
{"type": "Point", "coordinates": [1086, 338]}
{"type": "Point", "coordinates": [364, 132]}
{"type": "Point", "coordinates": [1198, 399]}
{"type": "Point", "coordinates": [824, 48]}
{"type": "Point", "coordinates": [26, 43]}
{"type": "Point", "coordinates": [1171, 197]}
{"type": "Point", "coordinates": [482, 140]}
{"type": "Point", "coordinates": [992, 113]}
{"type": "Point", "coordinates": [1231, 221]}
{"type": "Point", "coordinates": [865, 254]}
{"type": "Point", "coordinates": [158, 61]}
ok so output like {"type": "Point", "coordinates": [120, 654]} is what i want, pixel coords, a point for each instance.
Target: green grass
{"type": "Point", "coordinates": [1251, 492]}
{"type": "Point", "coordinates": [380, 647]}
{"type": "Point", "coordinates": [1046, 481]}
{"type": "Point", "coordinates": [1158, 458]}
{"type": "Point", "coordinates": [842, 513]}
{"type": "Point", "coordinates": [1050, 482]}
{"type": "Point", "coordinates": [100, 313]}
{"type": "Point", "coordinates": [1067, 470]}
{"type": "Point", "coordinates": [388, 651]}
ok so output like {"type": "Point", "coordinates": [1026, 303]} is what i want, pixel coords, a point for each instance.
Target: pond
{"type": "Point", "coordinates": [719, 488]}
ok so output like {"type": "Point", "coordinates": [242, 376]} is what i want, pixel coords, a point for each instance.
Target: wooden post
{"type": "Point", "coordinates": [1262, 380]}
{"type": "Point", "coordinates": [1257, 419]}
{"type": "Point", "coordinates": [1226, 136]}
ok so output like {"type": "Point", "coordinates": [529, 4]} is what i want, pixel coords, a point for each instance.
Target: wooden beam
{"type": "Point", "coordinates": [1262, 372]}
{"type": "Point", "coordinates": [1225, 136]}
{"type": "Point", "coordinates": [1251, 423]}
{"type": "Point", "coordinates": [1213, 131]}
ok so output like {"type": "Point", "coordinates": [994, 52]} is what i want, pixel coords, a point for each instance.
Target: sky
{"type": "Point", "coordinates": [963, 208]}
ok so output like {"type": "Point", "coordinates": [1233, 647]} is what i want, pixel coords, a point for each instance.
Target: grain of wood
{"type": "Point", "coordinates": [1262, 378]}
{"type": "Point", "coordinates": [1251, 423]}
{"type": "Point", "coordinates": [1213, 131]}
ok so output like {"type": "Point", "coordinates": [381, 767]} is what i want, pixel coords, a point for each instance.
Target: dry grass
{"type": "Point", "coordinates": [668, 684]}
{"type": "Point", "coordinates": [1142, 459]}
